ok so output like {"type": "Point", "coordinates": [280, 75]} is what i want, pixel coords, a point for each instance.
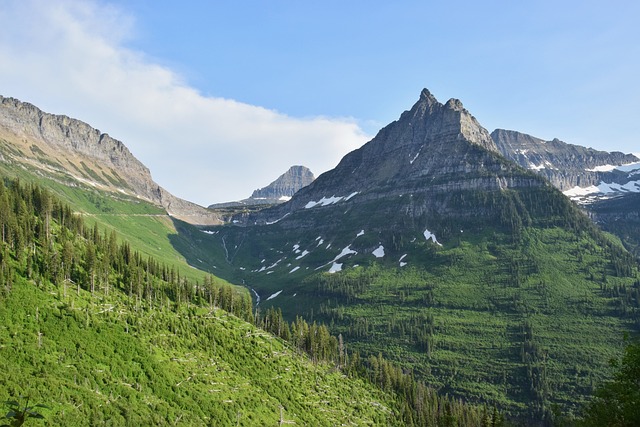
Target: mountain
{"type": "Point", "coordinates": [418, 164]}
{"type": "Point", "coordinates": [101, 335]}
{"type": "Point", "coordinates": [287, 184]}
{"type": "Point", "coordinates": [279, 191]}
{"type": "Point", "coordinates": [428, 246]}
{"type": "Point", "coordinates": [577, 171]}
{"type": "Point", "coordinates": [75, 154]}
{"type": "Point", "coordinates": [606, 185]}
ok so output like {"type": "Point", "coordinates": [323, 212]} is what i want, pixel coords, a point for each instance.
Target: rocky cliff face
{"type": "Point", "coordinates": [286, 185]}
{"type": "Point", "coordinates": [416, 166]}
{"type": "Point", "coordinates": [565, 165]}
{"type": "Point", "coordinates": [73, 152]}
{"type": "Point", "coordinates": [279, 191]}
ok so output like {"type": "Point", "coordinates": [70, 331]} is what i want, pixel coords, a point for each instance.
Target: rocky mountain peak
{"type": "Point", "coordinates": [286, 185]}
{"type": "Point", "coordinates": [433, 120]}
{"type": "Point", "coordinates": [433, 150]}
{"type": "Point", "coordinates": [279, 191]}
{"type": "Point", "coordinates": [566, 165]}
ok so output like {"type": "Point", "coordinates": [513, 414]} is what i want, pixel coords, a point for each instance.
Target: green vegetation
{"type": "Point", "coordinates": [617, 402]}
{"type": "Point", "coordinates": [520, 308]}
{"type": "Point", "coordinates": [104, 335]}
{"type": "Point", "coordinates": [19, 413]}
{"type": "Point", "coordinates": [146, 227]}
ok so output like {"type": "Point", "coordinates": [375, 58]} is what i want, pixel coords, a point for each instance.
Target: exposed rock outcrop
{"type": "Point", "coordinates": [565, 165]}
{"type": "Point", "coordinates": [415, 165]}
{"type": "Point", "coordinates": [279, 191]}
{"type": "Point", "coordinates": [77, 154]}
{"type": "Point", "coordinates": [286, 185]}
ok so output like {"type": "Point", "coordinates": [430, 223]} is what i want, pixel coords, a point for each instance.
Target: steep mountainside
{"type": "Point", "coordinates": [418, 164]}
{"type": "Point", "coordinates": [606, 184]}
{"type": "Point", "coordinates": [430, 247]}
{"type": "Point", "coordinates": [576, 170]}
{"type": "Point", "coordinates": [73, 153]}
{"type": "Point", "coordinates": [279, 191]}
{"type": "Point", "coordinates": [103, 336]}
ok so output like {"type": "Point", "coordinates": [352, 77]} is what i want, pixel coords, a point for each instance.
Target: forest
{"type": "Point", "coordinates": [73, 295]}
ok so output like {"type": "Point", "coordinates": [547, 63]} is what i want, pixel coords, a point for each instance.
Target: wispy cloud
{"type": "Point", "coordinates": [70, 57]}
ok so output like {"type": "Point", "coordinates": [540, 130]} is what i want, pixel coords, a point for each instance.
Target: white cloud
{"type": "Point", "coordinates": [71, 58]}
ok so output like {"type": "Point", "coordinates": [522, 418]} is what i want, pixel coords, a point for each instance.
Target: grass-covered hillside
{"type": "Point", "coordinates": [146, 227]}
{"type": "Point", "coordinates": [104, 335]}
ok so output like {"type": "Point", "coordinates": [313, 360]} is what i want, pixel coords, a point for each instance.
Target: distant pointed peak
{"type": "Point", "coordinates": [425, 95]}
{"type": "Point", "coordinates": [454, 104]}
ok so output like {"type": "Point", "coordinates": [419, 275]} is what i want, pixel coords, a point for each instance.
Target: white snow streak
{"type": "Point", "coordinates": [274, 295]}
{"type": "Point", "coordinates": [278, 220]}
{"type": "Point", "coordinates": [326, 201]}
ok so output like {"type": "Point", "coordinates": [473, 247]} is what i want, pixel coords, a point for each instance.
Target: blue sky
{"type": "Point", "coordinates": [219, 98]}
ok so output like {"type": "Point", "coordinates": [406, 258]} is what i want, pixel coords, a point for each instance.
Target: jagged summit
{"type": "Point", "coordinates": [433, 150]}
{"type": "Point", "coordinates": [436, 120]}
{"type": "Point", "coordinates": [279, 191]}
{"type": "Point", "coordinates": [286, 185]}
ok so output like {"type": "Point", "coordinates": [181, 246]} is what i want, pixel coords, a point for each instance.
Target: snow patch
{"type": "Point", "coordinates": [278, 220]}
{"type": "Point", "coordinates": [274, 295]}
{"type": "Point", "coordinates": [603, 188]}
{"type": "Point", "coordinates": [294, 269]}
{"type": "Point", "coordinates": [379, 252]}
{"type": "Point", "coordinates": [346, 251]}
{"type": "Point", "coordinates": [209, 232]}
{"type": "Point", "coordinates": [430, 236]}
{"type": "Point", "coordinates": [284, 198]}
{"type": "Point", "coordinates": [414, 158]}
{"type": "Point", "coordinates": [361, 233]}
{"type": "Point", "coordinates": [627, 167]}
{"type": "Point", "coordinates": [303, 254]}
{"type": "Point", "coordinates": [257, 296]}
{"type": "Point", "coordinates": [351, 195]}
{"type": "Point", "coordinates": [325, 201]}
{"type": "Point", "coordinates": [335, 267]}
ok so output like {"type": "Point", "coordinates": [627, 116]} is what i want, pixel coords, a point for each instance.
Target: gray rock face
{"type": "Point", "coordinates": [565, 165]}
{"type": "Point", "coordinates": [59, 146]}
{"type": "Point", "coordinates": [414, 165]}
{"type": "Point", "coordinates": [279, 191]}
{"type": "Point", "coordinates": [286, 185]}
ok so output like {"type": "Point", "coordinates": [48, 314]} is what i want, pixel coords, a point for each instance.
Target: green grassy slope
{"type": "Point", "coordinates": [146, 227]}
